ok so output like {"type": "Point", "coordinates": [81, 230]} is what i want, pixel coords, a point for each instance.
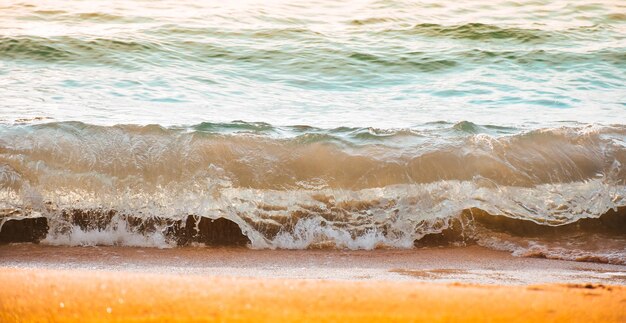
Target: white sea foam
{"type": "Point", "coordinates": [117, 234]}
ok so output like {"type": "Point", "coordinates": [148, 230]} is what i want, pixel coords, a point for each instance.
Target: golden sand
{"type": "Point", "coordinates": [44, 295]}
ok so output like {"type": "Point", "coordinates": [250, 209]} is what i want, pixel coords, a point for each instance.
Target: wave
{"type": "Point", "coordinates": [347, 187]}
{"type": "Point", "coordinates": [260, 156]}
{"type": "Point", "coordinates": [323, 57]}
{"type": "Point", "coordinates": [591, 239]}
{"type": "Point", "coordinates": [96, 17]}
{"type": "Point", "coordinates": [72, 50]}
{"type": "Point", "coordinates": [479, 31]}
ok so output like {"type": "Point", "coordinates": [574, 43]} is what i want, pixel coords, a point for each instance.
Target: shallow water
{"type": "Point", "coordinates": [474, 265]}
{"type": "Point", "coordinates": [365, 123]}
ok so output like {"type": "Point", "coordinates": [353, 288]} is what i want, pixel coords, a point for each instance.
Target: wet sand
{"type": "Point", "coordinates": [78, 284]}
{"type": "Point", "coordinates": [472, 264]}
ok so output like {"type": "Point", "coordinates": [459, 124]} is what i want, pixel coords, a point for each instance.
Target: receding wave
{"type": "Point", "coordinates": [303, 187]}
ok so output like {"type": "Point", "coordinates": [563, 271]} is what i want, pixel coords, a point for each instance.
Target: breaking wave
{"type": "Point", "coordinates": [305, 187]}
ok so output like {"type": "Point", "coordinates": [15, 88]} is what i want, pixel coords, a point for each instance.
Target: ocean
{"type": "Point", "coordinates": [318, 124]}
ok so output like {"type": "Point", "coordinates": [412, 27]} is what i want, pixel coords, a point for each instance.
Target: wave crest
{"type": "Point", "coordinates": [350, 187]}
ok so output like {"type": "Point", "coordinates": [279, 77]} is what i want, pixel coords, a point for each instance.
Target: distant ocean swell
{"type": "Point", "coordinates": [126, 52]}
{"type": "Point", "coordinates": [386, 64]}
{"type": "Point", "coordinates": [557, 192]}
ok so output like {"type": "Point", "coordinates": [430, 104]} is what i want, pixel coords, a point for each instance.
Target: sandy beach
{"type": "Point", "coordinates": [92, 284]}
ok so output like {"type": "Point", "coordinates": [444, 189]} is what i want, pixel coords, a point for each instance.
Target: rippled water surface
{"type": "Point", "coordinates": [354, 124]}
{"type": "Point", "coordinates": [381, 64]}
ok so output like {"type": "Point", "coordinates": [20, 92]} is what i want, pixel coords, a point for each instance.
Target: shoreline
{"type": "Point", "coordinates": [470, 264]}
{"type": "Point", "coordinates": [95, 284]}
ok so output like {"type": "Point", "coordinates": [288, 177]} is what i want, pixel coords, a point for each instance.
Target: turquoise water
{"type": "Point", "coordinates": [383, 64]}
{"type": "Point", "coordinates": [357, 124]}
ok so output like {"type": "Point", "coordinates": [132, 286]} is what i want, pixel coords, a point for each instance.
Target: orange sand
{"type": "Point", "coordinates": [42, 295]}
